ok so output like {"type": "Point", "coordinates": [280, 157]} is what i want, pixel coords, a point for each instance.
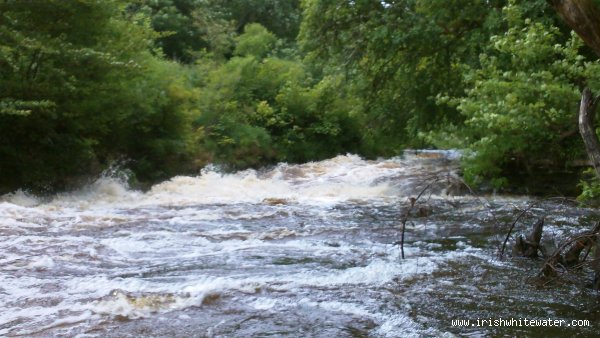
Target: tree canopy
{"type": "Point", "coordinates": [166, 86]}
{"type": "Point", "coordinates": [80, 87]}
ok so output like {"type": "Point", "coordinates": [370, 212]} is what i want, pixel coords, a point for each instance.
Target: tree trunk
{"type": "Point", "coordinates": [587, 110]}
{"type": "Point", "coordinates": [596, 268]}
{"type": "Point", "coordinates": [583, 16]}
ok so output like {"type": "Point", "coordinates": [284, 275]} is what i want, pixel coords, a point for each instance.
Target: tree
{"type": "Point", "coordinates": [583, 16]}
{"type": "Point", "coordinates": [258, 108]}
{"type": "Point", "coordinates": [399, 56]}
{"type": "Point", "coordinates": [281, 17]}
{"type": "Point", "coordinates": [519, 106]}
{"type": "Point", "coordinates": [79, 89]}
{"type": "Point", "coordinates": [190, 28]}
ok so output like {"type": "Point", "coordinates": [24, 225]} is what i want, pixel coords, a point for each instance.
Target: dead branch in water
{"type": "Point", "coordinates": [523, 213]}
{"type": "Point", "coordinates": [433, 180]}
{"type": "Point", "coordinates": [529, 247]}
{"type": "Point", "coordinates": [566, 256]}
{"type": "Point", "coordinates": [413, 201]}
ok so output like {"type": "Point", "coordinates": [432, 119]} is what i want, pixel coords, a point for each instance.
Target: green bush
{"type": "Point", "coordinates": [521, 106]}
{"type": "Point", "coordinates": [258, 109]}
{"type": "Point", "coordinates": [80, 88]}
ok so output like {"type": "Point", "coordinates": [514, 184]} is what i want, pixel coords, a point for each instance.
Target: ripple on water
{"type": "Point", "coordinates": [296, 250]}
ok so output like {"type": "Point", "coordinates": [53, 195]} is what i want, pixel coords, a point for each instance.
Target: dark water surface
{"type": "Point", "coordinates": [295, 251]}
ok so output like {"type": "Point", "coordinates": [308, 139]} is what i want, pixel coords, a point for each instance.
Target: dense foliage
{"type": "Point", "coordinates": [80, 88]}
{"type": "Point", "coordinates": [258, 108]}
{"type": "Point", "coordinates": [521, 106]}
{"type": "Point", "coordinates": [166, 86]}
{"type": "Point", "coordinates": [501, 79]}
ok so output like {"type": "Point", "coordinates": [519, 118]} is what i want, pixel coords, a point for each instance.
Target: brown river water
{"type": "Point", "coordinates": [291, 251]}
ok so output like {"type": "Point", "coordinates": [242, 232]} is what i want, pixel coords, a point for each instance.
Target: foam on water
{"type": "Point", "coordinates": [314, 236]}
{"type": "Point", "coordinates": [21, 198]}
{"type": "Point", "coordinates": [328, 182]}
{"type": "Point", "coordinates": [341, 179]}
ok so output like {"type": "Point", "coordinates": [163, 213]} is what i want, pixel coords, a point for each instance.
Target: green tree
{"type": "Point", "coordinates": [281, 17]}
{"type": "Point", "coordinates": [256, 41]}
{"type": "Point", "coordinates": [258, 108]}
{"type": "Point", "coordinates": [398, 56]}
{"type": "Point", "coordinates": [188, 27]}
{"type": "Point", "coordinates": [521, 104]}
{"type": "Point", "coordinates": [80, 88]}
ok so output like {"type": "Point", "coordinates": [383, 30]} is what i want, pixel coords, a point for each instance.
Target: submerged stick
{"type": "Point", "coordinates": [522, 213]}
{"type": "Point", "coordinates": [413, 201]}
{"type": "Point", "coordinates": [436, 179]}
{"type": "Point", "coordinates": [570, 258]}
{"type": "Point", "coordinates": [512, 226]}
{"type": "Point", "coordinates": [529, 247]}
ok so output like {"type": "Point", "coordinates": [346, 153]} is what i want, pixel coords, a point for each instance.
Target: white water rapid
{"type": "Point", "coordinates": [296, 250]}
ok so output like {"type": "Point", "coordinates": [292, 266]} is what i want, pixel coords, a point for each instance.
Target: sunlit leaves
{"type": "Point", "coordinates": [256, 41]}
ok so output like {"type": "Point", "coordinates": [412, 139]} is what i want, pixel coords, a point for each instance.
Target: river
{"type": "Point", "coordinates": [291, 251]}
